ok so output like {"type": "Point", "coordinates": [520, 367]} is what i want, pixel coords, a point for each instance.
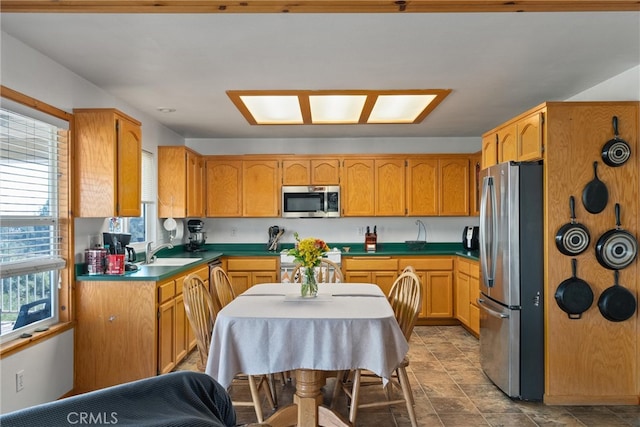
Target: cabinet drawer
{"type": "Point", "coordinates": [202, 272]}
{"type": "Point", "coordinates": [371, 263]}
{"type": "Point", "coordinates": [474, 270]}
{"type": "Point", "coordinates": [166, 291]}
{"type": "Point", "coordinates": [428, 263]}
{"type": "Point", "coordinates": [463, 266]}
{"type": "Point", "coordinates": [252, 264]}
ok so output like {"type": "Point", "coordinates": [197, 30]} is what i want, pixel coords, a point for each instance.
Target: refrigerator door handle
{"type": "Point", "coordinates": [490, 311]}
{"type": "Point", "coordinates": [488, 227]}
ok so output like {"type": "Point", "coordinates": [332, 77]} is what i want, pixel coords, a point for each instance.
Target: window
{"type": "Point", "coordinates": [140, 227]}
{"type": "Point", "coordinates": [33, 194]}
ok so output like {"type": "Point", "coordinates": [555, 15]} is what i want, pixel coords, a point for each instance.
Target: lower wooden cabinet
{"type": "Point", "coordinates": [466, 294]}
{"type": "Point", "coordinates": [130, 330]}
{"type": "Point", "coordinates": [381, 270]}
{"type": "Point", "coordinates": [436, 276]}
{"type": "Point", "coordinates": [245, 272]}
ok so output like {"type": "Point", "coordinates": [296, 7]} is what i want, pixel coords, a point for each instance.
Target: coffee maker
{"type": "Point", "coordinates": [117, 244]}
{"type": "Point", "coordinates": [197, 237]}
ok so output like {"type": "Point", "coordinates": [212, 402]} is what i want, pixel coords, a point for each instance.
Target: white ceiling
{"type": "Point", "coordinates": [497, 64]}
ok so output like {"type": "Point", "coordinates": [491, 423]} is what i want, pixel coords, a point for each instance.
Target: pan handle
{"type": "Point", "coordinates": [617, 211]}
{"type": "Point", "coordinates": [572, 208]}
{"type": "Point", "coordinates": [614, 122]}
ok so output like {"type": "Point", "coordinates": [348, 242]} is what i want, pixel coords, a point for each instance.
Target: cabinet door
{"type": "Point", "coordinates": [240, 280]}
{"type": "Point", "coordinates": [507, 144]}
{"type": "Point", "coordinates": [296, 172]}
{"type": "Point", "coordinates": [358, 194]}
{"type": "Point", "coordinates": [129, 168]}
{"type": "Point", "coordinates": [454, 187]}
{"type": "Point", "coordinates": [530, 137]}
{"type": "Point", "coordinates": [166, 337]}
{"type": "Point", "coordinates": [389, 187]}
{"type": "Point", "coordinates": [260, 188]}
{"type": "Point", "coordinates": [182, 323]}
{"type": "Point", "coordinates": [439, 288]}
{"type": "Point", "coordinates": [474, 184]}
{"type": "Point", "coordinates": [325, 171]}
{"type": "Point", "coordinates": [172, 182]}
{"type": "Point", "coordinates": [422, 187]}
{"type": "Point", "coordinates": [224, 188]}
{"type": "Point", "coordinates": [357, 277]}
{"type": "Point", "coordinates": [258, 277]}
{"type": "Point", "coordinates": [462, 298]}
{"type": "Point", "coordinates": [489, 150]}
{"type": "Point", "coordinates": [195, 184]}
{"type": "Point", "coordinates": [384, 279]}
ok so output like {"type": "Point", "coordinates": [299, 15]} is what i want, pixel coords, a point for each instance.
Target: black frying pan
{"type": "Point", "coordinates": [616, 151]}
{"type": "Point", "coordinates": [616, 248]}
{"type": "Point", "coordinates": [617, 303]}
{"type": "Point", "coordinates": [572, 238]}
{"type": "Point", "coordinates": [574, 296]}
{"type": "Point", "coordinates": [595, 194]}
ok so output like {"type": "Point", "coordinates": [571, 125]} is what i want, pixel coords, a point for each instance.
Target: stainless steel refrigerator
{"type": "Point", "coordinates": [511, 260]}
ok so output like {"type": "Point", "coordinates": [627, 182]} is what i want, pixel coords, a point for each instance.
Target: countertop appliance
{"type": "Point", "coordinates": [511, 299]}
{"type": "Point", "coordinates": [471, 238]}
{"type": "Point", "coordinates": [197, 237]}
{"type": "Point", "coordinates": [310, 201]}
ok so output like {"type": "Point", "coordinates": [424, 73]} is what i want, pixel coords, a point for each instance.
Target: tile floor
{"type": "Point", "coordinates": [451, 390]}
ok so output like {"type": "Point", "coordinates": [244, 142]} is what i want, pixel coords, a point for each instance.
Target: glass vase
{"type": "Point", "coordinates": [309, 288]}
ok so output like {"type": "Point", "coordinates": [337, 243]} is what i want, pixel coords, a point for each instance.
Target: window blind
{"type": "Point", "coordinates": [148, 177]}
{"type": "Point", "coordinates": [32, 154]}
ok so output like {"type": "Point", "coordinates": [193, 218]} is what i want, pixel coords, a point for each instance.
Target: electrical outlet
{"type": "Point", "coordinates": [234, 231]}
{"type": "Point", "coordinates": [360, 231]}
{"type": "Point", "coordinates": [19, 380]}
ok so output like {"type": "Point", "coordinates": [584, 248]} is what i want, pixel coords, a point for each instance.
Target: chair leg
{"type": "Point", "coordinates": [336, 390]}
{"type": "Point", "coordinates": [355, 394]}
{"type": "Point", "coordinates": [266, 387]}
{"type": "Point", "coordinates": [255, 396]}
{"type": "Point", "coordinates": [408, 394]}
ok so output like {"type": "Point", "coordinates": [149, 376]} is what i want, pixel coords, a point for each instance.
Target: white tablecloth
{"type": "Point", "coordinates": [270, 329]}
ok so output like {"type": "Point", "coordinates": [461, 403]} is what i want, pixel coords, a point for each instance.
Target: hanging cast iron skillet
{"type": "Point", "coordinates": [616, 151]}
{"type": "Point", "coordinates": [572, 238]}
{"type": "Point", "coordinates": [617, 303]}
{"type": "Point", "coordinates": [595, 194]}
{"type": "Point", "coordinates": [616, 248]}
{"type": "Point", "coordinates": [574, 296]}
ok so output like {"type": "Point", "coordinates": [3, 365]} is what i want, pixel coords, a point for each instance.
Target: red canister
{"type": "Point", "coordinates": [115, 264]}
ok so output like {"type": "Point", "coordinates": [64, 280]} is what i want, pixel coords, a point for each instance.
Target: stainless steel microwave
{"type": "Point", "coordinates": [310, 201]}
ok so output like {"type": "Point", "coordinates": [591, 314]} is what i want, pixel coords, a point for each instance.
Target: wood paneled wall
{"type": "Point", "coordinates": [590, 360]}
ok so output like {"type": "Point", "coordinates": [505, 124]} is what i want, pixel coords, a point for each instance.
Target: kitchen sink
{"type": "Point", "coordinates": [170, 262]}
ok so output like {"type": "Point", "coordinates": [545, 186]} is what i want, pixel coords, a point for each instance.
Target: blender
{"type": "Point", "coordinates": [197, 237]}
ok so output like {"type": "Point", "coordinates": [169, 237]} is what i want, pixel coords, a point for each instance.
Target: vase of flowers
{"type": "Point", "coordinates": [308, 253]}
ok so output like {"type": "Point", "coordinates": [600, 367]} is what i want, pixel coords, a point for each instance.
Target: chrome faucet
{"type": "Point", "coordinates": [150, 254]}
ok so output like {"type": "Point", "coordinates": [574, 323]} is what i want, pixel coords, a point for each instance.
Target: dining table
{"type": "Point", "coordinates": [271, 328]}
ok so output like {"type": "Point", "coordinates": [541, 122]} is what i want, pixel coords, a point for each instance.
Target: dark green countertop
{"type": "Point", "coordinates": [213, 251]}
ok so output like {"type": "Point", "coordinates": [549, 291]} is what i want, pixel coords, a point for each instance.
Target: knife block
{"type": "Point", "coordinates": [370, 242]}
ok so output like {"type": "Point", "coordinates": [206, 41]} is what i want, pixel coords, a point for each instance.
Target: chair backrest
{"type": "Point", "coordinates": [221, 289]}
{"type": "Point", "coordinates": [405, 298]}
{"type": "Point", "coordinates": [409, 268]}
{"type": "Point", "coordinates": [198, 306]}
{"type": "Point", "coordinates": [327, 272]}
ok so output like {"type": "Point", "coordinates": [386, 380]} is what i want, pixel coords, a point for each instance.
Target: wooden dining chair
{"type": "Point", "coordinates": [221, 288]}
{"type": "Point", "coordinates": [327, 272]}
{"type": "Point", "coordinates": [405, 299]}
{"type": "Point", "coordinates": [200, 309]}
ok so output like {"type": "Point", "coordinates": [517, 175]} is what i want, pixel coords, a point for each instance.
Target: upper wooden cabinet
{"type": "Point", "coordinates": [422, 186]}
{"type": "Point", "coordinates": [530, 137]}
{"type": "Point", "coordinates": [224, 187]}
{"type": "Point", "coordinates": [358, 187]}
{"type": "Point", "coordinates": [454, 186]}
{"type": "Point", "coordinates": [180, 182]}
{"type": "Point", "coordinates": [108, 162]}
{"type": "Point", "coordinates": [260, 188]}
{"type": "Point", "coordinates": [311, 171]}
{"type": "Point", "coordinates": [389, 187]}
{"type": "Point", "coordinates": [475, 183]}
{"type": "Point", "coordinates": [519, 139]}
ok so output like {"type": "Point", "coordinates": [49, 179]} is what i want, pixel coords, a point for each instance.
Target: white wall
{"type": "Point", "coordinates": [623, 87]}
{"type": "Point", "coordinates": [45, 378]}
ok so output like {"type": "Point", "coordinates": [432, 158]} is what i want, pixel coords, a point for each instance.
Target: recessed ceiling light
{"type": "Point", "coordinates": [307, 107]}
{"type": "Point", "coordinates": [166, 110]}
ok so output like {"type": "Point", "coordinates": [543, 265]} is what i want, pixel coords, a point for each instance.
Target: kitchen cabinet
{"type": "Point", "coordinates": [180, 182]}
{"type": "Point", "coordinates": [261, 190]}
{"type": "Point", "coordinates": [389, 187]}
{"type": "Point", "coordinates": [530, 137]}
{"type": "Point", "coordinates": [475, 183]}
{"type": "Point", "coordinates": [381, 270]}
{"type": "Point", "coordinates": [489, 149]}
{"type": "Point", "coordinates": [454, 186]}
{"type": "Point", "coordinates": [507, 143]}
{"type": "Point", "coordinates": [224, 186]}
{"type": "Point", "coordinates": [108, 162]}
{"type": "Point", "coordinates": [245, 272]}
{"type": "Point", "coordinates": [466, 294]}
{"type": "Point", "coordinates": [422, 186]}
{"type": "Point", "coordinates": [316, 171]}
{"type": "Point", "coordinates": [130, 330]}
{"type": "Point", "coordinates": [358, 193]}
{"type": "Point", "coordinates": [436, 276]}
